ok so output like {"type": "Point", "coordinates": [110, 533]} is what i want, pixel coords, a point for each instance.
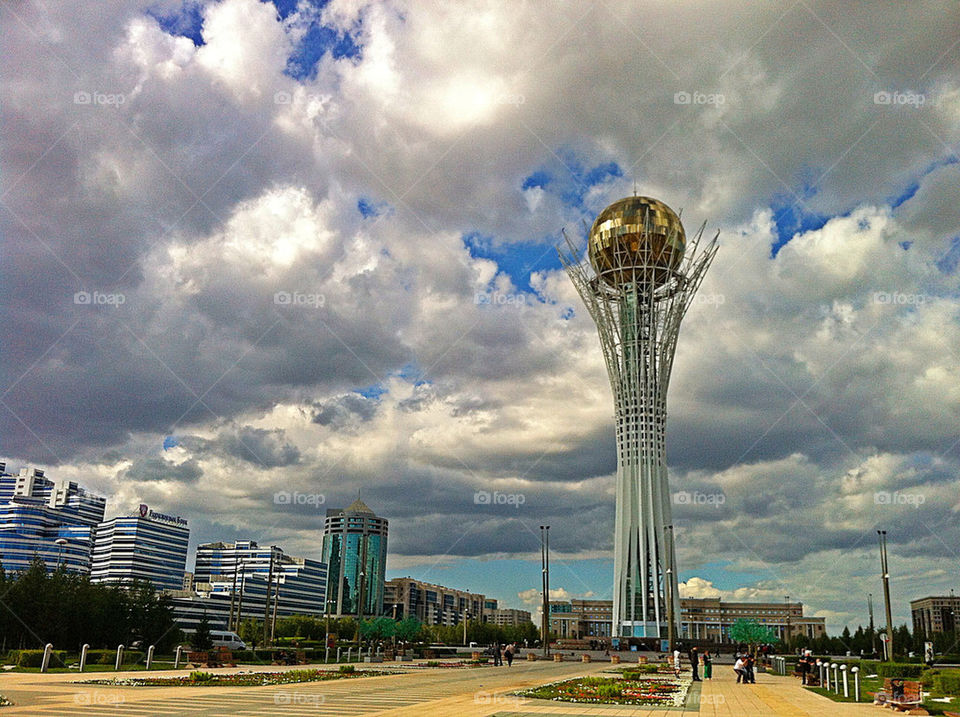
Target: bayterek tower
{"type": "Point", "coordinates": [640, 276]}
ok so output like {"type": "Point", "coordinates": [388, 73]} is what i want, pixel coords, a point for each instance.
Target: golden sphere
{"type": "Point", "coordinates": [636, 240]}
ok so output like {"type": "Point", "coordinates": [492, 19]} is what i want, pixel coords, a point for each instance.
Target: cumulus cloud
{"type": "Point", "coordinates": [330, 270]}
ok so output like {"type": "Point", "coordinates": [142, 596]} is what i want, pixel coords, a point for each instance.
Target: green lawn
{"type": "Point", "coordinates": [875, 684]}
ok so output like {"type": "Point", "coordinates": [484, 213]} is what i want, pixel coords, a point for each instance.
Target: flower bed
{"type": "Point", "coordinates": [613, 690]}
{"type": "Point", "coordinates": [238, 679]}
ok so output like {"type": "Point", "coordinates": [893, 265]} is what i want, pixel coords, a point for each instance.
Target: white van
{"type": "Point", "coordinates": [230, 640]}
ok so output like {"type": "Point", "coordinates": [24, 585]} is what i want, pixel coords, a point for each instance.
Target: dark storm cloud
{"type": "Point", "coordinates": [262, 447]}
{"type": "Point", "coordinates": [344, 409]}
{"type": "Point", "coordinates": [157, 469]}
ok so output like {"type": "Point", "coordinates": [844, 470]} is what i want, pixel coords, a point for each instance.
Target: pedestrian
{"type": "Point", "coordinates": [508, 653]}
{"type": "Point", "coordinates": [676, 662]}
{"type": "Point", "coordinates": [749, 668]}
{"type": "Point", "coordinates": [497, 659]}
{"type": "Point", "coordinates": [707, 665]}
{"type": "Point", "coordinates": [803, 667]}
{"type": "Point", "coordinates": [738, 667]}
{"type": "Point", "coordinates": [694, 662]}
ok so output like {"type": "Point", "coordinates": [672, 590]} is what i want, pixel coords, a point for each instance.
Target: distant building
{"type": "Point", "coordinates": [187, 580]}
{"type": "Point", "coordinates": [55, 522]}
{"type": "Point", "coordinates": [431, 604]}
{"type": "Point", "coordinates": [706, 619]}
{"type": "Point", "coordinates": [238, 573]}
{"type": "Point", "coordinates": [508, 617]}
{"type": "Point", "coordinates": [355, 551]}
{"type": "Point", "coordinates": [149, 546]}
{"type": "Point", "coordinates": [932, 615]}
{"type": "Point", "coordinates": [711, 618]}
{"type": "Point", "coordinates": [489, 605]}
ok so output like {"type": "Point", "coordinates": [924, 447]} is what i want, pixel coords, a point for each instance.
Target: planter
{"type": "Point", "coordinates": [531, 657]}
{"type": "Point", "coordinates": [643, 659]}
{"type": "Point", "coordinates": [475, 655]}
{"type": "Point", "coordinates": [585, 658]}
{"type": "Point", "coordinates": [558, 657]}
{"type": "Point", "coordinates": [614, 659]}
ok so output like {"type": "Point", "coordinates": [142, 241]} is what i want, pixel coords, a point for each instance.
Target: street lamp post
{"type": "Point", "coordinates": [668, 589]}
{"type": "Point", "coordinates": [786, 600]}
{"type": "Point", "coordinates": [60, 542]}
{"type": "Point", "coordinates": [884, 566]}
{"type": "Point", "coordinates": [545, 577]}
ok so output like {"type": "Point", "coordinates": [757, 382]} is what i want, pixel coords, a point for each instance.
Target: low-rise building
{"type": "Point", "coordinates": [935, 614]}
{"type": "Point", "coordinates": [508, 617]}
{"type": "Point", "coordinates": [431, 604]}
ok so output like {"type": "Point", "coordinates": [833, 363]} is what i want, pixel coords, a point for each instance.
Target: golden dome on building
{"type": "Point", "coordinates": [636, 239]}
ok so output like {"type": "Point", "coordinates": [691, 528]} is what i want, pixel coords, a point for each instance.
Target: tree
{"type": "Point", "coordinates": [379, 628]}
{"type": "Point", "coordinates": [751, 632]}
{"type": "Point", "coordinates": [409, 629]}
{"type": "Point", "coordinates": [202, 641]}
{"type": "Point", "coordinates": [250, 632]}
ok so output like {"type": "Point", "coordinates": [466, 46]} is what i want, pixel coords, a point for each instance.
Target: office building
{"type": "Point", "coordinates": [149, 546]}
{"type": "Point", "coordinates": [701, 619]}
{"type": "Point", "coordinates": [53, 521]}
{"type": "Point", "coordinates": [355, 551]}
{"type": "Point", "coordinates": [232, 579]}
{"type": "Point", "coordinates": [508, 617]}
{"type": "Point", "coordinates": [429, 603]}
{"type": "Point", "coordinates": [932, 615]}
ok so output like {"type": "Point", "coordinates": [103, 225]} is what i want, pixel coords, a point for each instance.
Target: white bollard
{"type": "Point", "coordinates": [349, 650]}
{"type": "Point", "coordinates": [83, 657]}
{"type": "Point", "coordinates": [45, 664]}
{"type": "Point", "coordinates": [846, 686]}
{"type": "Point", "coordinates": [338, 655]}
{"type": "Point", "coordinates": [178, 657]}
{"type": "Point", "coordinates": [150, 656]}
{"type": "Point", "coordinates": [856, 683]}
{"type": "Point", "coordinates": [119, 662]}
{"type": "Point", "coordinates": [836, 677]}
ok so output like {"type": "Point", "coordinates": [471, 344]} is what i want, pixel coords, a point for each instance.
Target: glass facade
{"type": "Point", "coordinates": [141, 548]}
{"type": "Point", "coordinates": [355, 551]}
{"type": "Point", "coordinates": [55, 522]}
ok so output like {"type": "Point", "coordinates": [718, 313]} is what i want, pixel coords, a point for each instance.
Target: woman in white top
{"type": "Point", "coordinates": [739, 668]}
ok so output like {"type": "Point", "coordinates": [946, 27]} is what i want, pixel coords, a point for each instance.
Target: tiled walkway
{"type": "Point", "coordinates": [479, 692]}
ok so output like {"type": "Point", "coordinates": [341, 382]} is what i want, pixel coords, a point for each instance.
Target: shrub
{"type": "Point", "coordinates": [34, 658]}
{"type": "Point", "coordinates": [947, 683]}
{"type": "Point", "coordinates": [198, 676]}
{"type": "Point", "coordinates": [109, 657]}
{"type": "Point", "coordinates": [609, 691]}
{"type": "Point", "coordinates": [926, 678]}
{"type": "Point", "coordinates": [900, 669]}
{"type": "Point", "coordinates": [347, 669]}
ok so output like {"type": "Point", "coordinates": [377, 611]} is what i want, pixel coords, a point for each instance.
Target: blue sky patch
{"type": "Point", "coordinates": [170, 442]}
{"type": "Point", "coordinates": [949, 261]}
{"type": "Point", "coordinates": [515, 260]}
{"type": "Point", "coordinates": [185, 22]}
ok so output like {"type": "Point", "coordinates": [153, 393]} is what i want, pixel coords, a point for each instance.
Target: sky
{"type": "Point", "coordinates": [259, 258]}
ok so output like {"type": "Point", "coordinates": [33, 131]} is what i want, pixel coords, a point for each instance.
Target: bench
{"type": "Point", "coordinates": [900, 694]}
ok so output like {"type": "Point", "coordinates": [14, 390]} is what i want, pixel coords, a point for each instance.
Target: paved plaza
{"type": "Point", "coordinates": [474, 692]}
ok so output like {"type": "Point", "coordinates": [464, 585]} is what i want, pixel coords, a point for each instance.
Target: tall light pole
{"type": "Point", "coordinates": [545, 582]}
{"type": "Point", "coordinates": [670, 581]}
{"type": "Point", "coordinates": [266, 601]}
{"type": "Point", "coordinates": [884, 567]}
{"type": "Point", "coordinates": [786, 601]}
{"type": "Point", "coordinates": [873, 629]}
{"type": "Point", "coordinates": [639, 279]}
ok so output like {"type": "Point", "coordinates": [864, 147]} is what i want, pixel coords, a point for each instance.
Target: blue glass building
{"type": "Point", "coordinates": [355, 551]}
{"type": "Point", "coordinates": [150, 546]}
{"type": "Point", "coordinates": [55, 522]}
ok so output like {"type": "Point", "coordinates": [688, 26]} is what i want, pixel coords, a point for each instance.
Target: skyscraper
{"type": "Point", "coordinates": [148, 546]}
{"type": "Point", "coordinates": [355, 551]}
{"type": "Point", "coordinates": [54, 522]}
{"type": "Point", "coordinates": [637, 285]}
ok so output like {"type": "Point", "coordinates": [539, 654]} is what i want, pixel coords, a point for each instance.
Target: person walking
{"type": "Point", "coordinates": [676, 662]}
{"type": "Point", "coordinates": [508, 653]}
{"type": "Point", "coordinates": [803, 667]}
{"type": "Point", "coordinates": [497, 659]}
{"type": "Point", "coordinates": [749, 668]}
{"type": "Point", "coordinates": [707, 666]}
{"type": "Point", "coordinates": [694, 656]}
